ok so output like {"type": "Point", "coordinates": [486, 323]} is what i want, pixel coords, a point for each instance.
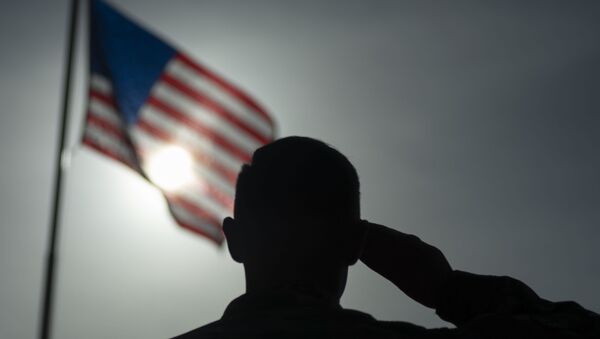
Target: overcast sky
{"type": "Point", "coordinates": [474, 125]}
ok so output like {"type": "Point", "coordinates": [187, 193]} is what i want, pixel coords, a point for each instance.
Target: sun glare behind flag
{"type": "Point", "coordinates": [166, 116]}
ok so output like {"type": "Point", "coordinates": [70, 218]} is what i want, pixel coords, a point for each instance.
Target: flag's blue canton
{"type": "Point", "coordinates": [128, 55]}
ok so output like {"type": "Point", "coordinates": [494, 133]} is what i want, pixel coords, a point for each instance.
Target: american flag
{"type": "Point", "coordinates": [149, 103]}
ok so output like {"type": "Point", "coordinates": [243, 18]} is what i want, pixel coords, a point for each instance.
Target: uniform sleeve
{"type": "Point", "coordinates": [505, 307]}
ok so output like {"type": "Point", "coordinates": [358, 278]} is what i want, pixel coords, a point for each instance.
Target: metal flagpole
{"type": "Point", "coordinates": [48, 296]}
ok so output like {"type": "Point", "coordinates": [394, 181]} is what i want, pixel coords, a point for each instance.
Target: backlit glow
{"type": "Point", "coordinates": [171, 168]}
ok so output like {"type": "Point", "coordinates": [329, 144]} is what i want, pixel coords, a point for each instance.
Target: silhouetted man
{"type": "Point", "coordinates": [297, 228]}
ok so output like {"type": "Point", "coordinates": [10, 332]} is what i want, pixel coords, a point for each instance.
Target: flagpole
{"type": "Point", "coordinates": [48, 296]}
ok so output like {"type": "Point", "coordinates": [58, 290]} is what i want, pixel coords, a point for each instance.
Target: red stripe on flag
{"type": "Point", "coordinates": [105, 125]}
{"type": "Point", "coordinates": [199, 231]}
{"type": "Point", "coordinates": [107, 152]}
{"type": "Point", "coordinates": [200, 128]}
{"type": "Point", "coordinates": [226, 86]}
{"type": "Point", "coordinates": [194, 209]}
{"type": "Point", "coordinates": [156, 132]}
{"type": "Point", "coordinates": [213, 106]}
{"type": "Point", "coordinates": [110, 101]}
{"type": "Point", "coordinates": [198, 212]}
{"type": "Point", "coordinates": [217, 195]}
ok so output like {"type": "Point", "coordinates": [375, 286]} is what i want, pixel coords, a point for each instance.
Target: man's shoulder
{"type": "Point", "coordinates": [287, 315]}
{"type": "Point", "coordinates": [336, 327]}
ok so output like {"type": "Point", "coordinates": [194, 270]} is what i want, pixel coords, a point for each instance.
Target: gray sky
{"type": "Point", "coordinates": [473, 125]}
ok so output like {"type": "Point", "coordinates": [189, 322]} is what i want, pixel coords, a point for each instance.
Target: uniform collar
{"type": "Point", "coordinates": [284, 298]}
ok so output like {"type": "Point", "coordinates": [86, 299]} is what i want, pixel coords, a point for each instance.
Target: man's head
{"type": "Point", "coordinates": [297, 213]}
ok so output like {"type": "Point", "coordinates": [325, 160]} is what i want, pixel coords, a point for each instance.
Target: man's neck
{"type": "Point", "coordinates": [261, 284]}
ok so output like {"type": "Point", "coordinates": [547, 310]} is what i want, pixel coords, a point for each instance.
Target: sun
{"type": "Point", "coordinates": [171, 168]}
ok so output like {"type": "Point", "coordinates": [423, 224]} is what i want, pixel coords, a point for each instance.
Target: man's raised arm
{"type": "Point", "coordinates": [476, 304]}
{"type": "Point", "coordinates": [418, 269]}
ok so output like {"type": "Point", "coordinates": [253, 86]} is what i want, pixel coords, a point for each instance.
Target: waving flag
{"type": "Point", "coordinates": [177, 123]}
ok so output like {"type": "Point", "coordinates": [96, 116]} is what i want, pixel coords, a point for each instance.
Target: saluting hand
{"type": "Point", "coordinates": [417, 268]}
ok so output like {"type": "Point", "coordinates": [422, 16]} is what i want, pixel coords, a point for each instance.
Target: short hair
{"type": "Point", "coordinates": [295, 179]}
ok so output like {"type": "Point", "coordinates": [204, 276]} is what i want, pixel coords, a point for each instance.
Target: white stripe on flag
{"type": "Point", "coordinates": [109, 142]}
{"type": "Point", "coordinates": [195, 221]}
{"type": "Point", "coordinates": [100, 84]}
{"type": "Point", "coordinates": [107, 112]}
{"type": "Point", "coordinates": [173, 97]}
{"type": "Point", "coordinates": [200, 83]}
{"type": "Point", "coordinates": [209, 205]}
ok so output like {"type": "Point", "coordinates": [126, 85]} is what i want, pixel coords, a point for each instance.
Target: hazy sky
{"type": "Point", "coordinates": [475, 125]}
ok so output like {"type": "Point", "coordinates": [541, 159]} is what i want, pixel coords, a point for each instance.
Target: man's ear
{"type": "Point", "coordinates": [235, 243]}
